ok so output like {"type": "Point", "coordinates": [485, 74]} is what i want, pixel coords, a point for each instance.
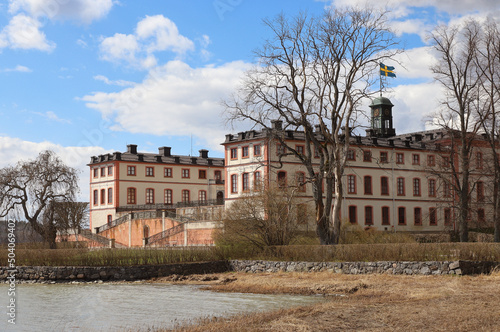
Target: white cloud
{"type": "Point", "coordinates": [23, 32]}
{"type": "Point", "coordinates": [18, 68]}
{"type": "Point", "coordinates": [110, 82]}
{"type": "Point", "coordinates": [152, 34]}
{"type": "Point", "coordinates": [13, 150]}
{"type": "Point", "coordinates": [174, 99]}
{"type": "Point", "coordinates": [415, 63]}
{"type": "Point", "coordinates": [84, 11]}
{"type": "Point", "coordinates": [52, 117]}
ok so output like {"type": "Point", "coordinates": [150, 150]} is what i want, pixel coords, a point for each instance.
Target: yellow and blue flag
{"type": "Point", "coordinates": [387, 70]}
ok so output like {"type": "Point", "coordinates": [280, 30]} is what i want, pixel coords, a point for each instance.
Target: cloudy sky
{"type": "Point", "coordinates": [85, 77]}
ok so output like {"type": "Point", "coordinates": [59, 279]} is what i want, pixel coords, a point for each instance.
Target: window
{"type": "Point", "coordinates": [480, 216]}
{"type": "Point", "coordinates": [202, 174]}
{"type": "Point", "coordinates": [257, 179]}
{"type": "Point", "coordinates": [417, 216]}
{"type": "Point", "coordinates": [281, 178]}
{"type": "Point", "coordinates": [103, 196]}
{"type": "Point", "coordinates": [385, 216]}
{"type": "Point", "coordinates": [384, 185]}
{"type": "Point", "coordinates": [245, 183]}
{"type": "Point", "coordinates": [432, 216]}
{"type": "Point", "coordinates": [351, 184]}
{"type": "Point", "coordinates": [401, 186]}
{"type": "Point", "coordinates": [185, 196]}
{"type": "Point", "coordinates": [479, 160]}
{"type": "Point", "coordinates": [353, 218]}
{"type": "Point", "coordinates": [446, 162]}
{"type": "Point", "coordinates": [401, 215]}
{"type": "Point", "coordinates": [96, 197]}
{"type": "Point", "coordinates": [351, 155]}
{"type": "Point", "coordinates": [202, 196]}
{"type": "Point", "coordinates": [280, 149]}
{"type": "Point", "coordinates": [234, 183]}
{"type": "Point", "coordinates": [103, 171]}
{"type": "Point", "coordinates": [416, 187]}
{"type": "Point", "coordinates": [130, 170]}
{"type": "Point", "coordinates": [185, 173]}
{"type": "Point", "coordinates": [168, 196]}
{"type": "Point", "coordinates": [131, 196]}
{"type": "Point", "coordinates": [110, 170]}
{"type": "Point", "coordinates": [447, 217]}
{"type": "Point", "coordinates": [110, 219]}
{"type": "Point", "coordinates": [299, 149]}
{"type": "Point", "coordinates": [167, 172]}
{"type": "Point", "coordinates": [368, 215]}
{"type": "Point", "coordinates": [384, 157]}
{"type": "Point", "coordinates": [256, 150]}
{"type": "Point", "coordinates": [110, 195]}
{"type": "Point", "coordinates": [367, 181]}
{"type": "Point", "coordinates": [234, 153]}
{"type": "Point", "coordinates": [96, 172]}
{"type": "Point", "coordinates": [415, 159]}
{"type": "Point", "coordinates": [316, 152]}
{"type": "Point", "coordinates": [432, 188]}
{"type": "Point", "coordinates": [244, 152]}
{"type": "Point", "coordinates": [218, 175]}
{"type": "Point", "coordinates": [447, 189]}
{"type": "Point", "coordinates": [301, 181]}
{"type": "Point", "coordinates": [150, 196]}
{"type": "Point", "coordinates": [400, 158]}
{"type": "Point", "coordinates": [367, 155]}
{"type": "Point", "coordinates": [480, 191]}
{"type": "Point", "coordinates": [150, 171]}
{"type": "Point", "coordinates": [431, 160]}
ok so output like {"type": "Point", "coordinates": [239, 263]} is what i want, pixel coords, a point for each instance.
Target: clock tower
{"type": "Point", "coordinates": [382, 117]}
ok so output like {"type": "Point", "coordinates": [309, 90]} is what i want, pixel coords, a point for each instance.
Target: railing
{"type": "Point", "coordinates": [112, 224]}
{"type": "Point", "coordinates": [165, 234]}
{"type": "Point", "coordinates": [162, 206]}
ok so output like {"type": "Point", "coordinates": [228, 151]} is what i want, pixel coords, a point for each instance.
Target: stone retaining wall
{"type": "Point", "coordinates": [108, 273]}
{"type": "Point", "coordinates": [67, 274]}
{"type": "Point", "coordinates": [408, 268]}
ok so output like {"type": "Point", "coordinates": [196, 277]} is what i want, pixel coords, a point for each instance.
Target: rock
{"type": "Point", "coordinates": [454, 265]}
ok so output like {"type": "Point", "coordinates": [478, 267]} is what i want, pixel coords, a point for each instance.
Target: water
{"type": "Point", "coordinates": [129, 307]}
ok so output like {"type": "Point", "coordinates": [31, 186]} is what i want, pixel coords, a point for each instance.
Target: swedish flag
{"type": "Point", "coordinates": [387, 70]}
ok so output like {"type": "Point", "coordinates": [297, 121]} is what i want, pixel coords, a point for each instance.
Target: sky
{"type": "Point", "coordinates": [87, 77]}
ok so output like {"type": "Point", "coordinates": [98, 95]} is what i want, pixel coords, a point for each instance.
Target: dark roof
{"type": "Point", "coordinates": [163, 157]}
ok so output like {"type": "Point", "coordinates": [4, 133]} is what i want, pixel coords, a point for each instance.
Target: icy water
{"type": "Point", "coordinates": [127, 307]}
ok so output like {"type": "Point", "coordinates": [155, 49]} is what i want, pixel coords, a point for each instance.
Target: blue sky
{"type": "Point", "coordinates": [85, 77]}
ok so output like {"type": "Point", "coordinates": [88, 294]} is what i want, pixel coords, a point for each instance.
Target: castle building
{"type": "Point", "coordinates": [391, 182]}
{"type": "Point", "coordinates": [122, 182]}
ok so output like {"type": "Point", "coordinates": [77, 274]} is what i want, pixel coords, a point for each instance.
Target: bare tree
{"type": "Point", "coordinates": [70, 216]}
{"type": "Point", "coordinates": [456, 70]}
{"type": "Point", "coordinates": [29, 188]}
{"type": "Point", "coordinates": [488, 64]}
{"type": "Point", "coordinates": [314, 73]}
{"type": "Point", "coordinates": [265, 217]}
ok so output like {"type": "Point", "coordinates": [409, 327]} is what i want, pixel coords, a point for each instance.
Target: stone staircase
{"type": "Point", "coordinates": [86, 233]}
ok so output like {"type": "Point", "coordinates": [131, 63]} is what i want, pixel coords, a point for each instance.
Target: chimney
{"type": "Point", "coordinates": [277, 124]}
{"type": "Point", "coordinates": [241, 136]}
{"type": "Point", "coordinates": [117, 156]}
{"type": "Point", "coordinates": [164, 151]}
{"type": "Point", "coordinates": [229, 137]}
{"type": "Point", "coordinates": [132, 148]}
{"type": "Point", "coordinates": [203, 153]}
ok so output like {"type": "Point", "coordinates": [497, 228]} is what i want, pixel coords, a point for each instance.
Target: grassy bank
{"type": "Point", "coordinates": [366, 303]}
{"type": "Point", "coordinates": [313, 253]}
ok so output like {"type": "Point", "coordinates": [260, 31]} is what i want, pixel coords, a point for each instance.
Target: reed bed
{"type": "Point", "coordinates": [312, 253]}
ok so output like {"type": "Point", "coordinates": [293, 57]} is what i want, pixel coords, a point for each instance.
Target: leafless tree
{"type": "Point", "coordinates": [70, 216]}
{"type": "Point", "coordinates": [265, 217]}
{"type": "Point", "coordinates": [488, 64]}
{"type": "Point", "coordinates": [29, 188]}
{"type": "Point", "coordinates": [456, 70]}
{"type": "Point", "coordinates": [314, 73]}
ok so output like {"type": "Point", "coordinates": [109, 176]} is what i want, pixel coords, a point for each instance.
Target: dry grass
{"type": "Point", "coordinates": [368, 303]}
